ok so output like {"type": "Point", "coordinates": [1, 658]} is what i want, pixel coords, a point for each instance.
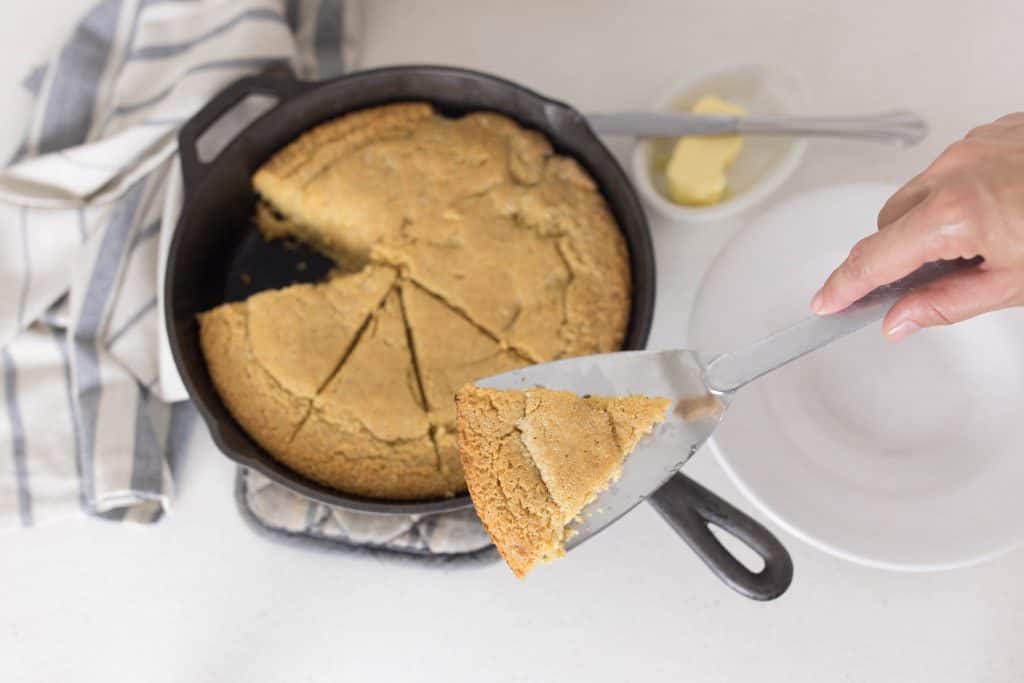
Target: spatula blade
{"type": "Point", "coordinates": [675, 375]}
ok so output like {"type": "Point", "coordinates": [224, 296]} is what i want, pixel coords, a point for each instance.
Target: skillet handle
{"type": "Point", "coordinates": [689, 508]}
{"type": "Point", "coordinates": [280, 87]}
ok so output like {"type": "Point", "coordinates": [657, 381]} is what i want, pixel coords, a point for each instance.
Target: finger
{"type": "Point", "coordinates": [915, 239]}
{"type": "Point", "coordinates": [952, 299]}
{"type": "Point", "coordinates": [903, 200]}
{"type": "Point", "coordinates": [1012, 119]}
{"type": "Point", "coordinates": [1000, 125]}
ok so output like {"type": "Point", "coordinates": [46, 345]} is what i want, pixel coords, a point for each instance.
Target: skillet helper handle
{"type": "Point", "coordinates": [689, 508]}
{"type": "Point", "coordinates": [192, 168]}
{"type": "Point", "coordinates": [728, 372]}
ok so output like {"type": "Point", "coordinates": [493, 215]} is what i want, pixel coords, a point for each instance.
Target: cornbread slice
{"type": "Point", "coordinates": [450, 351]}
{"type": "Point", "coordinates": [533, 459]}
{"type": "Point", "coordinates": [351, 181]}
{"type": "Point", "coordinates": [300, 333]}
{"type": "Point", "coordinates": [268, 355]}
{"type": "Point", "coordinates": [268, 413]}
{"type": "Point", "coordinates": [368, 432]}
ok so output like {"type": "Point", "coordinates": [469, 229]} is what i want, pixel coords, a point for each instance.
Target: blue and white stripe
{"type": "Point", "coordinates": [86, 211]}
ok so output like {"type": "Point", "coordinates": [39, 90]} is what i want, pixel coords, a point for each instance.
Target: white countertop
{"type": "Point", "coordinates": [198, 597]}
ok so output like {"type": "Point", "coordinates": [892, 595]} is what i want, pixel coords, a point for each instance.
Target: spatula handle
{"type": "Point", "coordinates": [728, 372]}
{"type": "Point", "coordinates": [689, 509]}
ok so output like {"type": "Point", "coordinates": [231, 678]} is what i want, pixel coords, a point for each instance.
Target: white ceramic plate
{"type": "Point", "coordinates": [906, 457]}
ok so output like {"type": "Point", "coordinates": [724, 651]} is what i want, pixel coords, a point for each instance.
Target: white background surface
{"type": "Point", "coordinates": [199, 598]}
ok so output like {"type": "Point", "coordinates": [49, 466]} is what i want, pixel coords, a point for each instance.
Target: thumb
{"type": "Point", "coordinates": [952, 299]}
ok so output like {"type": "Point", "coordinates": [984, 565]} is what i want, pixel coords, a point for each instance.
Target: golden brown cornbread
{"type": "Point", "coordinates": [377, 386]}
{"type": "Point", "coordinates": [267, 412]}
{"type": "Point", "coordinates": [533, 459]}
{"type": "Point", "coordinates": [268, 356]}
{"type": "Point", "coordinates": [368, 431]}
{"type": "Point", "coordinates": [507, 490]}
{"type": "Point", "coordinates": [450, 351]}
{"type": "Point", "coordinates": [311, 181]}
{"type": "Point", "coordinates": [542, 267]}
{"type": "Point", "coordinates": [565, 204]}
{"type": "Point", "coordinates": [508, 279]}
{"type": "Point", "coordinates": [300, 334]}
{"type": "Point", "coordinates": [506, 254]}
{"type": "Point", "coordinates": [578, 443]}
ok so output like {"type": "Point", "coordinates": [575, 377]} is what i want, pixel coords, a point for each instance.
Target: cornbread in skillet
{"type": "Point", "coordinates": [533, 459]}
{"type": "Point", "coordinates": [450, 351]}
{"type": "Point", "coordinates": [368, 431]}
{"type": "Point", "coordinates": [476, 210]}
{"type": "Point", "coordinates": [499, 253]}
{"type": "Point", "coordinates": [542, 267]}
{"type": "Point", "coordinates": [351, 181]}
{"type": "Point", "coordinates": [269, 355]}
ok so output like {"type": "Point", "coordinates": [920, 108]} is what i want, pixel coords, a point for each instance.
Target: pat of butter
{"type": "Point", "coordinates": [696, 170]}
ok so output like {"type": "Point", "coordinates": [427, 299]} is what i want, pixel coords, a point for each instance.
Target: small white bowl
{"type": "Point", "coordinates": [765, 161]}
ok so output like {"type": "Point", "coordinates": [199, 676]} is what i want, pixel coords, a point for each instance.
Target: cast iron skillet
{"type": "Point", "coordinates": [217, 256]}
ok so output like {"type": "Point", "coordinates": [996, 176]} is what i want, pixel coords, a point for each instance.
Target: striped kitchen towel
{"type": "Point", "coordinates": [87, 209]}
{"type": "Point", "coordinates": [88, 202]}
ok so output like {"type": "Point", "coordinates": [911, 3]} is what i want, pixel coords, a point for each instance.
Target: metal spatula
{"type": "Point", "coordinates": [702, 385]}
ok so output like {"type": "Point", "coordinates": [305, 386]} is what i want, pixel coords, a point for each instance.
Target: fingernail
{"type": "Point", "coordinates": [902, 330]}
{"type": "Point", "coordinates": [818, 302]}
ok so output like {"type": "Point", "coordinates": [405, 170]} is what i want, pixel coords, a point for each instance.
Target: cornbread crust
{"type": "Point", "coordinates": [533, 459]}
{"type": "Point", "coordinates": [254, 349]}
{"type": "Point", "coordinates": [268, 413]}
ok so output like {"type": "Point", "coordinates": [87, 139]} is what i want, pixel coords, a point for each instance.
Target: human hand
{"type": "Point", "coordinates": [969, 202]}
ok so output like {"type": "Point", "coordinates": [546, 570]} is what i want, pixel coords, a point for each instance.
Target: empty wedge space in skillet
{"type": "Point", "coordinates": [533, 459]}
